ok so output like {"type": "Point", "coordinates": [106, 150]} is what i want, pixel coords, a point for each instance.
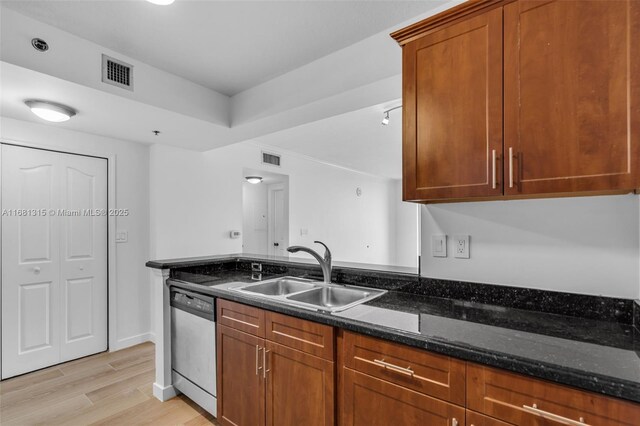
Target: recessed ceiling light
{"type": "Point", "coordinates": [50, 111]}
{"type": "Point", "coordinates": [161, 2]}
{"type": "Point", "coordinates": [254, 179]}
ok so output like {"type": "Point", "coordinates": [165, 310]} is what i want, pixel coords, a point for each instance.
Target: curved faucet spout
{"type": "Point", "coordinates": [325, 262]}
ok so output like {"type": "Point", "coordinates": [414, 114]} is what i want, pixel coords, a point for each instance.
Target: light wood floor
{"type": "Point", "coordinates": [108, 389]}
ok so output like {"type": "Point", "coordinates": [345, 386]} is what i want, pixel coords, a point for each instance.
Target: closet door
{"type": "Point", "coordinates": [83, 254]}
{"type": "Point", "coordinates": [30, 260]}
{"type": "Point", "coordinates": [54, 258]}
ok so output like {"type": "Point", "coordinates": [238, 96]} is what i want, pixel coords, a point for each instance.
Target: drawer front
{"type": "Point", "coordinates": [477, 419]}
{"type": "Point", "coordinates": [241, 317]}
{"type": "Point", "coordinates": [525, 401]}
{"type": "Point", "coordinates": [440, 376]}
{"type": "Point", "coordinates": [305, 336]}
{"type": "Point", "coordinates": [369, 401]}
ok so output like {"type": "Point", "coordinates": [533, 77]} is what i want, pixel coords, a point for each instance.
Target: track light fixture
{"type": "Point", "coordinates": [385, 119]}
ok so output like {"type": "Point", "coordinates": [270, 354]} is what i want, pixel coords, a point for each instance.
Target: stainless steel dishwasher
{"type": "Point", "coordinates": [193, 346]}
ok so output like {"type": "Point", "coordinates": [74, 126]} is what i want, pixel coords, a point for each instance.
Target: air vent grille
{"type": "Point", "coordinates": [117, 73]}
{"type": "Point", "coordinates": [272, 159]}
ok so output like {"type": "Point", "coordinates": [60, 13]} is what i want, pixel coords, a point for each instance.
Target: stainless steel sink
{"type": "Point", "coordinates": [280, 286]}
{"type": "Point", "coordinates": [311, 294]}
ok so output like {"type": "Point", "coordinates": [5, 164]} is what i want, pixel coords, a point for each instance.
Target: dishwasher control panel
{"type": "Point", "coordinates": [198, 304]}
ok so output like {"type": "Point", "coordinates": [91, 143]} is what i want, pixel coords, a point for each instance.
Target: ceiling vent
{"type": "Point", "coordinates": [272, 159]}
{"type": "Point", "coordinates": [117, 73]}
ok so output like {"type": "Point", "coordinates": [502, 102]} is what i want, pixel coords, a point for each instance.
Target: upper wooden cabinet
{"type": "Point", "coordinates": [522, 98]}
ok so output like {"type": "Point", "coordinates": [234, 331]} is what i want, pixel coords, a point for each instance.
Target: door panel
{"type": "Point", "coordinates": [83, 267]}
{"type": "Point", "coordinates": [453, 111]}
{"type": "Point", "coordinates": [34, 317]}
{"type": "Point", "coordinates": [54, 258]}
{"type": "Point", "coordinates": [300, 388]}
{"type": "Point", "coordinates": [30, 261]}
{"type": "Point", "coordinates": [241, 389]}
{"type": "Point", "coordinates": [571, 95]}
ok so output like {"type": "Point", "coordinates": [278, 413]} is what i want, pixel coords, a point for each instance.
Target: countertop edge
{"type": "Point", "coordinates": [600, 384]}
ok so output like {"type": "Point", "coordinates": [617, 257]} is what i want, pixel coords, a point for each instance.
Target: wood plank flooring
{"type": "Point", "coordinates": [111, 388]}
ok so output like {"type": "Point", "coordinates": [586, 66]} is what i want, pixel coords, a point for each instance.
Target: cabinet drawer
{"type": "Point", "coordinates": [525, 401]}
{"type": "Point", "coordinates": [477, 419]}
{"type": "Point", "coordinates": [368, 401]}
{"type": "Point", "coordinates": [305, 336]}
{"type": "Point", "coordinates": [241, 317]}
{"type": "Point", "coordinates": [436, 375]}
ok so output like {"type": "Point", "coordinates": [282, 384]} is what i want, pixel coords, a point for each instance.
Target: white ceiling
{"type": "Point", "coordinates": [355, 140]}
{"type": "Point", "coordinates": [228, 46]}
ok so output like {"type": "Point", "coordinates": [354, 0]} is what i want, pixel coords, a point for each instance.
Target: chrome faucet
{"type": "Point", "coordinates": [325, 263]}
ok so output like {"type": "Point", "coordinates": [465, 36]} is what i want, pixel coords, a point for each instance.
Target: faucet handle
{"type": "Point", "coordinates": [327, 252]}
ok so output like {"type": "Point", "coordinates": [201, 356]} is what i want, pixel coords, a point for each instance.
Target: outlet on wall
{"type": "Point", "coordinates": [461, 246]}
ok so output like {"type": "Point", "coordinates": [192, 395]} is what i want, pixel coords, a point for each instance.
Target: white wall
{"type": "Point", "coordinates": [132, 185]}
{"type": "Point", "coordinates": [196, 199]}
{"type": "Point", "coordinates": [588, 245]}
{"type": "Point", "coordinates": [406, 229]}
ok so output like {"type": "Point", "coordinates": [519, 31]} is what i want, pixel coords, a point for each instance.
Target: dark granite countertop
{"type": "Point", "coordinates": [599, 356]}
{"type": "Point", "coordinates": [283, 260]}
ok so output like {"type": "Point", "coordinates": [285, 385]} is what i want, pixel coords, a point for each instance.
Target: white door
{"type": "Point", "coordinates": [54, 258]}
{"type": "Point", "coordinates": [278, 220]}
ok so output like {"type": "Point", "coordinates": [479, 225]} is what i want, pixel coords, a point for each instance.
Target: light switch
{"type": "Point", "coordinates": [122, 236]}
{"type": "Point", "coordinates": [461, 246]}
{"type": "Point", "coordinates": [439, 245]}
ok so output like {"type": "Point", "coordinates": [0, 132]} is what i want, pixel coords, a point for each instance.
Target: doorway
{"type": "Point", "coordinates": [54, 257]}
{"type": "Point", "coordinates": [265, 209]}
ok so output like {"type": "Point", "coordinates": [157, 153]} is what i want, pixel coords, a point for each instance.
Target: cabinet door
{"type": "Point", "coordinates": [300, 388]}
{"type": "Point", "coordinates": [368, 401]}
{"type": "Point", "coordinates": [571, 96]}
{"type": "Point", "coordinates": [241, 393]}
{"type": "Point", "coordinates": [452, 96]}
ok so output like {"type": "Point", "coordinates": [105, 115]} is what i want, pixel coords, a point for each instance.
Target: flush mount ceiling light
{"type": "Point", "coordinates": [50, 111]}
{"type": "Point", "coordinates": [161, 2]}
{"type": "Point", "coordinates": [254, 179]}
{"type": "Point", "coordinates": [385, 119]}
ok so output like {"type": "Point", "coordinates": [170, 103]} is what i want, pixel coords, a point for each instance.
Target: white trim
{"type": "Point", "coordinates": [131, 341]}
{"type": "Point", "coordinates": [111, 226]}
{"type": "Point", "coordinates": [164, 393]}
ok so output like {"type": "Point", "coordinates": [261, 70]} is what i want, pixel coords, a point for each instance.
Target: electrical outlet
{"type": "Point", "coordinates": [461, 246]}
{"type": "Point", "coordinates": [439, 245]}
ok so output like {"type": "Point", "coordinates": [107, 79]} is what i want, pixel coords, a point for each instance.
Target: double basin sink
{"type": "Point", "coordinates": [311, 294]}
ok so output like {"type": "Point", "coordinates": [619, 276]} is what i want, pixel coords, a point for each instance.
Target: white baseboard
{"type": "Point", "coordinates": [131, 341]}
{"type": "Point", "coordinates": [164, 393]}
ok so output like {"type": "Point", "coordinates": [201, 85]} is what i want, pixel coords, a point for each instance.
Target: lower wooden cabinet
{"type": "Point", "coordinates": [300, 388]}
{"type": "Point", "coordinates": [368, 401]}
{"type": "Point", "coordinates": [261, 382]}
{"type": "Point", "coordinates": [241, 390]}
{"type": "Point", "coordinates": [477, 419]}
{"type": "Point", "coordinates": [521, 400]}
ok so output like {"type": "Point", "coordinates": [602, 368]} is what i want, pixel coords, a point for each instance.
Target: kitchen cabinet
{"type": "Point", "coordinates": [273, 369]}
{"type": "Point", "coordinates": [241, 390]}
{"type": "Point", "coordinates": [521, 400]}
{"type": "Point", "coordinates": [369, 401]}
{"type": "Point", "coordinates": [517, 99]}
{"type": "Point", "coordinates": [386, 383]}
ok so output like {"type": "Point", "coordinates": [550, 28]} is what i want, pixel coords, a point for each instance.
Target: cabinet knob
{"type": "Point", "coordinates": [36, 270]}
{"type": "Point", "coordinates": [454, 422]}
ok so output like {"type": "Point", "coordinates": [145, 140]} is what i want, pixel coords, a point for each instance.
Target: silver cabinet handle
{"type": "Point", "coordinates": [381, 362]}
{"type": "Point", "coordinates": [510, 167]}
{"type": "Point", "coordinates": [454, 422]}
{"type": "Point", "coordinates": [258, 368]}
{"type": "Point", "coordinates": [493, 168]}
{"type": "Point", "coordinates": [264, 363]}
{"type": "Point", "coordinates": [550, 416]}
